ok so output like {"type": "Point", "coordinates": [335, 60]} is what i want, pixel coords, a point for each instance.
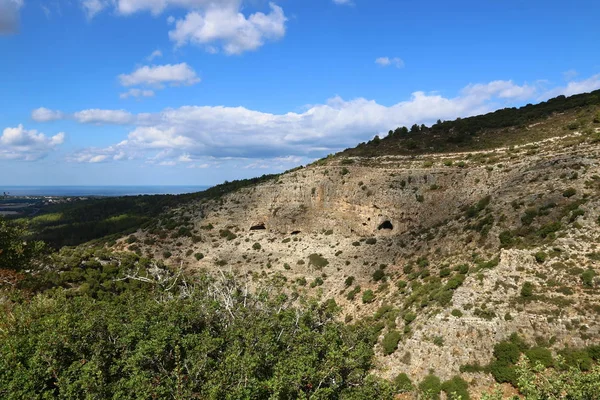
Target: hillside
{"type": "Point", "coordinates": [449, 250]}
{"type": "Point", "coordinates": [444, 248]}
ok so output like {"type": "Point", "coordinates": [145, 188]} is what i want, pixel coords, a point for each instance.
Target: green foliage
{"type": "Point", "coordinates": [371, 241]}
{"type": "Point", "coordinates": [317, 261]}
{"type": "Point", "coordinates": [507, 352]}
{"type": "Point", "coordinates": [409, 317]}
{"type": "Point", "coordinates": [227, 234]}
{"type": "Point", "coordinates": [540, 257]}
{"type": "Point", "coordinates": [16, 252]}
{"type": "Point", "coordinates": [430, 387]}
{"type": "Point", "coordinates": [587, 278]}
{"type": "Point", "coordinates": [527, 290]}
{"type": "Point", "coordinates": [378, 275]}
{"type": "Point", "coordinates": [457, 313]}
{"type": "Point", "coordinates": [352, 294]}
{"type": "Point", "coordinates": [403, 384]}
{"type": "Point", "coordinates": [368, 296]}
{"type": "Point", "coordinates": [198, 256]}
{"type": "Point", "coordinates": [562, 383]}
{"type": "Point", "coordinates": [540, 355]}
{"type": "Point", "coordinates": [148, 340]}
{"type": "Point", "coordinates": [390, 342]}
{"type": "Point", "coordinates": [349, 281]}
{"type": "Point", "coordinates": [456, 389]}
{"type": "Point", "coordinates": [570, 192]}
{"type": "Point", "coordinates": [256, 246]}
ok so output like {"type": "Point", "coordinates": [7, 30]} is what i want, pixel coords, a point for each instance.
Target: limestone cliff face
{"type": "Point", "coordinates": [455, 238]}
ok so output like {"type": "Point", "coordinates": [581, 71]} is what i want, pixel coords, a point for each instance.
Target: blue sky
{"type": "Point", "coordinates": [183, 92]}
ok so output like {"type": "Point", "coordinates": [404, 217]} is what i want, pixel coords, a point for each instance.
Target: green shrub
{"type": "Point", "coordinates": [378, 275]}
{"type": "Point", "coordinates": [507, 352]}
{"type": "Point", "coordinates": [256, 246]}
{"type": "Point", "coordinates": [317, 261]}
{"type": "Point", "coordinates": [368, 296]}
{"type": "Point", "coordinates": [541, 355]}
{"type": "Point", "coordinates": [577, 358]}
{"type": "Point", "coordinates": [403, 384]}
{"type": "Point", "coordinates": [199, 256]}
{"type": "Point", "coordinates": [390, 342]}
{"type": "Point", "coordinates": [431, 387]}
{"type": "Point", "coordinates": [349, 281]}
{"type": "Point", "coordinates": [570, 192]}
{"type": "Point", "coordinates": [227, 234]}
{"type": "Point", "coordinates": [540, 257]}
{"type": "Point", "coordinates": [409, 317]}
{"type": "Point", "coordinates": [457, 313]}
{"type": "Point", "coordinates": [352, 294]}
{"type": "Point", "coordinates": [503, 373]}
{"type": "Point", "coordinates": [587, 278]}
{"type": "Point", "coordinates": [371, 241]}
{"type": "Point", "coordinates": [166, 254]}
{"type": "Point", "coordinates": [456, 389]}
{"type": "Point", "coordinates": [527, 290]}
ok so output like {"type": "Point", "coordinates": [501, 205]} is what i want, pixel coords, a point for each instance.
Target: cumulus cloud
{"type": "Point", "coordinates": [586, 85]}
{"type": "Point", "coordinates": [501, 89]}
{"type": "Point", "coordinates": [190, 134]}
{"type": "Point", "coordinates": [27, 145]}
{"type": "Point", "coordinates": [9, 16]}
{"type": "Point", "coordinates": [214, 25]}
{"type": "Point", "coordinates": [43, 114]}
{"type": "Point", "coordinates": [101, 117]}
{"type": "Point", "coordinates": [387, 61]}
{"type": "Point", "coordinates": [136, 93]}
{"type": "Point", "coordinates": [229, 29]}
{"type": "Point", "coordinates": [158, 75]}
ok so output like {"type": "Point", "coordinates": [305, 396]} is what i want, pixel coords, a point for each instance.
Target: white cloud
{"type": "Point", "coordinates": [155, 54]}
{"type": "Point", "coordinates": [342, 2]}
{"type": "Point", "coordinates": [93, 7]}
{"type": "Point", "coordinates": [156, 7]}
{"type": "Point", "coordinates": [9, 15]}
{"type": "Point", "coordinates": [96, 116]}
{"type": "Point", "coordinates": [574, 87]}
{"type": "Point", "coordinates": [229, 28]}
{"type": "Point", "coordinates": [27, 145]}
{"type": "Point", "coordinates": [387, 61]}
{"type": "Point", "coordinates": [215, 25]}
{"type": "Point", "coordinates": [157, 75]}
{"type": "Point", "coordinates": [43, 114]}
{"type": "Point", "coordinates": [136, 93]}
{"type": "Point", "coordinates": [501, 89]}
{"type": "Point", "coordinates": [190, 134]}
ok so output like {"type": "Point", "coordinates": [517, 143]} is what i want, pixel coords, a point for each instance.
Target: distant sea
{"type": "Point", "coordinates": [105, 191]}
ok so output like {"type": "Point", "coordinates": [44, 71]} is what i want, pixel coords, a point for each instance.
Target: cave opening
{"type": "Point", "coordinates": [387, 225]}
{"type": "Point", "coordinates": [259, 227]}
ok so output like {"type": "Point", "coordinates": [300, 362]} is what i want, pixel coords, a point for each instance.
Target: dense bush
{"type": "Point", "coordinates": [368, 296]}
{"type": "Point", "coordinates": [431, 387]}
{"type": "Point", "coordinates": [390, 342]}
{"type": "Point", "coordinates": [188, 341]}
{"type": "Point", "coordinates": [456, 389]}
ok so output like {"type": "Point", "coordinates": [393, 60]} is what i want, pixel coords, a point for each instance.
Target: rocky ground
{"type": "Point", "coordinates": [454, 251]}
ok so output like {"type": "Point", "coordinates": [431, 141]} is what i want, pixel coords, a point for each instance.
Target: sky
{"type": "Point", "coordinates": [195, 92]}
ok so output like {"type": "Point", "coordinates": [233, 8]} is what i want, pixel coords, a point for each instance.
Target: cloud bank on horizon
{"type": "Point", "coordinates": [193, 133]}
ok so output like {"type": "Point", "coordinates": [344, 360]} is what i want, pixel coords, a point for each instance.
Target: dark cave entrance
{"type": "Point", "coordinates": [259, 227]}
{"type": "Point", "coordinates": [387, 225]}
